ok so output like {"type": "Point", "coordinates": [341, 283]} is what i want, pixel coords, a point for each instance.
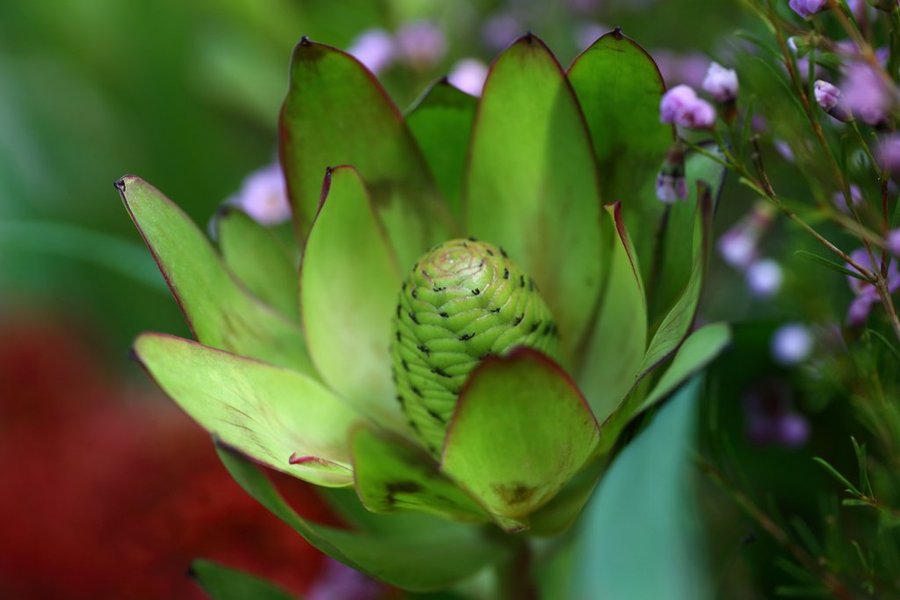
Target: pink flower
{"type": "Point", "coordinates": [771, 418]}
{"type": "Point", "coordinates": [681, 106]}
{"type": "Point", "coordinates": [791, 344]}
{"type": "Point", "coordinates": [737, 246]}
{"type": "Point", "coordinates": [764, 278]}
{"type": "Point", "coordinates": [670, 188]}
{"type": "Point", "coordinates": [866, 294]}
{"type": "Point", "coordinates": [807, 8]}
{"type": "Point", "coordinates": [375, 49]}
{"type": "Point", "coordinates": [841, 202]}
{"type": "Point", "coordinates": [865, 94]}
{"type": "Point", "coordinates": [468, 75]}
{"type": "Point", "coordinates": [892, 242]}
{"type": "Point", "coordinates": [889, 154]}
{"type": "Point", "coordinates": [263, 196]}
{"type": "Point", "coordinates": [421, 44]}
{"type": "Point", "coordinates": [827, 94]}
{"type": "Point", "coordinates": [721, 83]}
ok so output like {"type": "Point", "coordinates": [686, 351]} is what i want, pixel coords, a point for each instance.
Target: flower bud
{"type": "Point", "coordinates": [670, 182]}
{"type": "Point", "coordinates": [464, 300]}
{"type": "Point", "coordinates": [866, 95]}
{"type": "Point", "coordinates": [791, 344]}
{"type": "Point", "coordinates": [263, 196]}
{"type": "Point", "coordinates": [892, 242]}
{"type": "Point", "coordinates": [807, 8]}
{"type": "Point", "coordinates": [375, 49]}
{"type": "Point", "coordinates": [764, 278]}
{"type": "Point", "coordinates": [681, 106]}
{"type": "Point", "coordinates": [889, 155]}
{"type": "Point", "coordinates": [721, 83]}
{"type": "Point", "coordinates": [827, 95]}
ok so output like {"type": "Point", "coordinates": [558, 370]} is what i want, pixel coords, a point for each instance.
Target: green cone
{"type": "Point", "coordinates": [463, 301]}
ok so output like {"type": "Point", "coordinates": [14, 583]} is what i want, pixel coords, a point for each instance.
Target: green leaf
{"type": "Point", "coordinates": [392, 474]}
{"type": "Point", "coordinates": [830, 264]}
{"type": "Point", "coordinates": [520, 431]}
{"type": "Point", "coordinates": [281, 418]}
{"type": "Point", "coordinates": [349, 283]}
{"type": "Point", "coordinates": [260, 260]}
{"type": "Point", "coordinates": [420, 561]}
{"type": "Point", "coordinates": [675, 260]}
{"type": "Point", "coordinates": [441, 123]}
{"type": "Point", "coordinates": [701, 347]}
{"type": "Point", "coordinates": [619, 338]}
{"type": "Point", "coordinates": [336, 113]}
{"type": "Point", "coordinates": [224, 583]}
{"type": "Point", "coordinates": [220, 312]}
{"type": "Point", "coordinates": [640, 536]}
{"type": "Point", "coordinates": [677, 323]}
{"type": "Point", "coordinates": [532, 185]}
{"type": "Point", "coordinates": [619, 88]}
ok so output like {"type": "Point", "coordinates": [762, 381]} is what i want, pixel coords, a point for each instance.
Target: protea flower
{"type": "Point", "coordinates": [486, 289]}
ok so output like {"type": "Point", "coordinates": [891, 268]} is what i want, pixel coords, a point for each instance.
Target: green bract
{"type": "Point", "coordinates": [477, 382]}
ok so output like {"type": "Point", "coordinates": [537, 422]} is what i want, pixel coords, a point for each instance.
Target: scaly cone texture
{"type": "Point", "coordinates": [463, 300]}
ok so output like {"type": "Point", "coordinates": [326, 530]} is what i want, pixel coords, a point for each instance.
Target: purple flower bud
{"type": "Point", "coordinates": [721, 83]}
{"type": "Point", "coordinates": [669, 188]}
{"type": "Point", "coordinates": [670, 182]}
{"type": "Point", "coordinates": [340, 581]}
{"type": "Point", "coordinates": [807, 8]}
{"type": "Point", "coordinates": [791, 344]}
{"type": "Point", "coordinates": [792, 430]}
{"type": "Point", "coordinates": [889, 154]}
{"type": "Point", "coordinates": [841, 202]}
{"type": "Point", "coordinates": [469, 75]}
{"type": "Point", "coordinates": [421, 45]}
{"type": "Point", "coordinates": [865, 94]}
{"type": "Point", "coordinates": [770, 418]}
{"type": "Point", "coordinates": [827, 94]}
{"type": "Point", "coordinates": [375, 49]}
{"type": "Point", "coordinates": [737, 246]}
{"type": "Point", "coordinates": [764, 278]}
{"type": "Point", "coordinates": [866, 293]}
{"type": "Point", "coordinates": [784, 149]}
{"type": "Point", "coordinates": [681, 106]}
{"type": "Point", "coordinates": [892, 242]}
{"type": "Point", "coordinates": [263, 196]}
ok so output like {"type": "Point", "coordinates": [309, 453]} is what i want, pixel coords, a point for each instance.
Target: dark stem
{"type": "Point", "coordinates": [514, 575]}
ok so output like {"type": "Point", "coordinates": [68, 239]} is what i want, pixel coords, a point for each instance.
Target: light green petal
{"type": "Point", "coordinates": [532, 183]}
{"type": "Point", "coordinates": [349, 282]}
{"type": "Point", "coordinates": [220, 311]}
{"type": "Point", "coordinates": [281, 418]}
{"type": "Point", "coordinates": [521, 430]}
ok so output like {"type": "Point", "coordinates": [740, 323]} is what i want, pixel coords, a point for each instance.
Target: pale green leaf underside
{"type": "Point", "coordinates": [220, 312]}
{"type": "Point", "coordinates": [641, 537]}
{"type": "Point", "coordinates": [269, 413]}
